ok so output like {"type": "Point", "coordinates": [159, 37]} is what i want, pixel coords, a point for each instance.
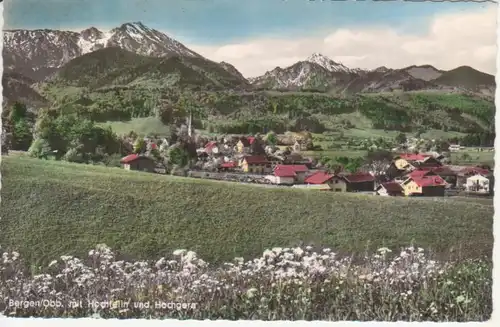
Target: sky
{"type": "Point", "coordinates": [259, 35]}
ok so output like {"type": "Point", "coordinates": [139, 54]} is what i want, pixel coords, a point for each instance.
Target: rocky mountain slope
{"type": "Point", "coordinates": [38, 53]}
{"type": "Point", "coordinates": [320, 73]}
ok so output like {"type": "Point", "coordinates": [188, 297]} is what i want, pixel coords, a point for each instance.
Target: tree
{"type": "Point", "coordinates": [40, 148]}
{"type": "Point", "coordinates": [178, 156]}
{"type": "Point", "coordinates": [139, 145]}
{"type": "Point", "coordinates": [18, 112]}
{"type": "Point", "coordinates": [378, 161]}
{"type": "Point", "coordinates": [271, 138]}
{"type": "Point", "coordinates": [442, 146]}
{"type": "Point", "coordinates": [21, 135]}
{"type": "Point", "coordinates": [257, 147]}
{"type": "Point", "coordinates": [401, 138]}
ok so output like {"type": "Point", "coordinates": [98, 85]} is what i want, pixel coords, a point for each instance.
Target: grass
{"type": "Point", "coordinates": [53, 208]}
{"type": "Point", "coordinates": [142, 126]}
{"type": "Point", "coordinates": [483, 157]}
{"type": "Point", "coordinates": [335, 153]}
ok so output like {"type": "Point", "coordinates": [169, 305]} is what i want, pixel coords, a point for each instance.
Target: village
{"type": "Point", "coordinates": [248, 159]}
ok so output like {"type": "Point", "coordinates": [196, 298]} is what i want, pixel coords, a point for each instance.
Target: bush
{"type": "Point", "coordinates": [40, 148]}
{"type": "Point", "coordinates": [283, 284]}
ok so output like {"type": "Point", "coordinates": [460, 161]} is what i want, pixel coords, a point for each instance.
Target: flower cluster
{"type": "Point", "coordinates": [283, 284]}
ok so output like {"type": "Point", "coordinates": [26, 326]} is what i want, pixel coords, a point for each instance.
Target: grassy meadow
{"type": "Point", "coordinates": [54, 208]}
{"type": "Point", "coordinates": [141, 126]}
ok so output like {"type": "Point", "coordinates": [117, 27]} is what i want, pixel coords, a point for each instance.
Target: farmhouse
{"type": "Point", "coordinates": [427, 185]}
{"type": "Point", "coordinates": [360, 182]}
{"type": "Point", "coordinates": [445, 173]}
{"type": "Point", "coordinates": [479, 184]}
{"type": "Point", "coordinates": [336, 183]}
{"type": "Point", "coordinates": [390, 189]}
{"type": "Point", "coordinates": [409, 161]}
{"type": "Point", "coordinates": [138, 162]}
{"type": "Point", "coordinates": [466, 172]}
{"type": "Point", "coordinates": [255, 164]}
{"type": "Point", "coordinates": [285, 175]}
{"type": "Point", "coordinates": [299, 170]}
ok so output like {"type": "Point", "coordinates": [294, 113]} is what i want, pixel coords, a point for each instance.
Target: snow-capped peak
{"type": "Point", "coordinates": [327, 63]}
{"type": "Point", "coordinates": [46, 50]}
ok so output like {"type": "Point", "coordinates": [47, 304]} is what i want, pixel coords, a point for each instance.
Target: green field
{"type": "Point", "coordinates": [141, 126]}
{"type": "Point", "coordinates": [53, 208]}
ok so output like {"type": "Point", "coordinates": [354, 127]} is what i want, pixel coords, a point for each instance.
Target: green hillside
{"type": "Point", "coordinates": [114, 84]}
{"type": "Point", "coordinates": [117, 67]}
{"type": "Point", "coordinates": [53, 208]}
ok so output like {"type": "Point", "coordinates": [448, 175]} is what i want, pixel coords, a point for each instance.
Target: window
{"type": "Point", "coordinates": [338, 190]}
{"type": "Point", "coordinates": [336, 181]}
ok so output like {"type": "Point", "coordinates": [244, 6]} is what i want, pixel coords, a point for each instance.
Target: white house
{"type": "Point", "coordinates": [478, 184]}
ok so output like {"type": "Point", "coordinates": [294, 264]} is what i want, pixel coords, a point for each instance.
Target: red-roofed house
{"type": "Point", "coordinates": [359, 182]}
{"type": "Point", "coordinates": [430, 185]}
{"type": "Point", "coordinates": [229, 165]}
{"type": "Point", "coordinates": [444, 172]}
{"type": "Point", "coordinates": [300, 171]}
{"type": "Point", "coordinates": [138, 162]}
{"type": "Point", "coordinates": [319, 177]}
{"type": "Point", "coordinates": [390, 189]}
{"type": "Point", "coordinates": [336, 183]}
{"type": "Point", "coordinates": [409, 161]}
{"type": "Point", "coordinates": [283, 175]}
{"type": "Point", "coordinates": [212, 147]}
{"type": "Point", "coordinates": [255, 164]}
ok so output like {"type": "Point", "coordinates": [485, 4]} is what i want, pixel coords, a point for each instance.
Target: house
{"type": "Point", "coordinates": [283, 175]}
{"type": "Point", "coordinates": [466, 172]}
{"type": "Point", "coordinates": [445, 173]}
{"type": "Point", "coordinates": [299, 170]}
{"type": "Point", "coordinates": [411, 161]}
{"type": "Point", "coordinates": [138, 162]}
{"type": "Point", "coordinates": [403, 160]}
{"type": "Point", "coordinates": [427, 185]}
{"type": "Point", "coordinates": [255, 164]}
{"type": "Point", "coordinates": [454, 147]}
{"type": "Point", "coordinates": [244, 143]}
{"type": "Point", "coordinates": [479, 184]}
{"type": "Point", "coordinates": [212, 148]}
{"type": "Point", "coordinates": [390, 189]}
{"type": "Point", "coordinates": [336, 183]}
{"type": "Point", "coordinates": [359, 182]}
{"type": "Point", "coordinates": [228, 166]}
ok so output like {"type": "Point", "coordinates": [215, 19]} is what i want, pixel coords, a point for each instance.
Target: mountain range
{"type": "Point", "coordinates": [135, 55]}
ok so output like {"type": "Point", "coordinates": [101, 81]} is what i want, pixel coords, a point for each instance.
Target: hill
{"type": "Point", "coordinates": [114, 66]}
{"type": "Point", "coordinates": [147, 215]}
{"type": "Point", "coordinates": [19, 88]}
{"type": "Point", "coordinates": [468, 78]}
